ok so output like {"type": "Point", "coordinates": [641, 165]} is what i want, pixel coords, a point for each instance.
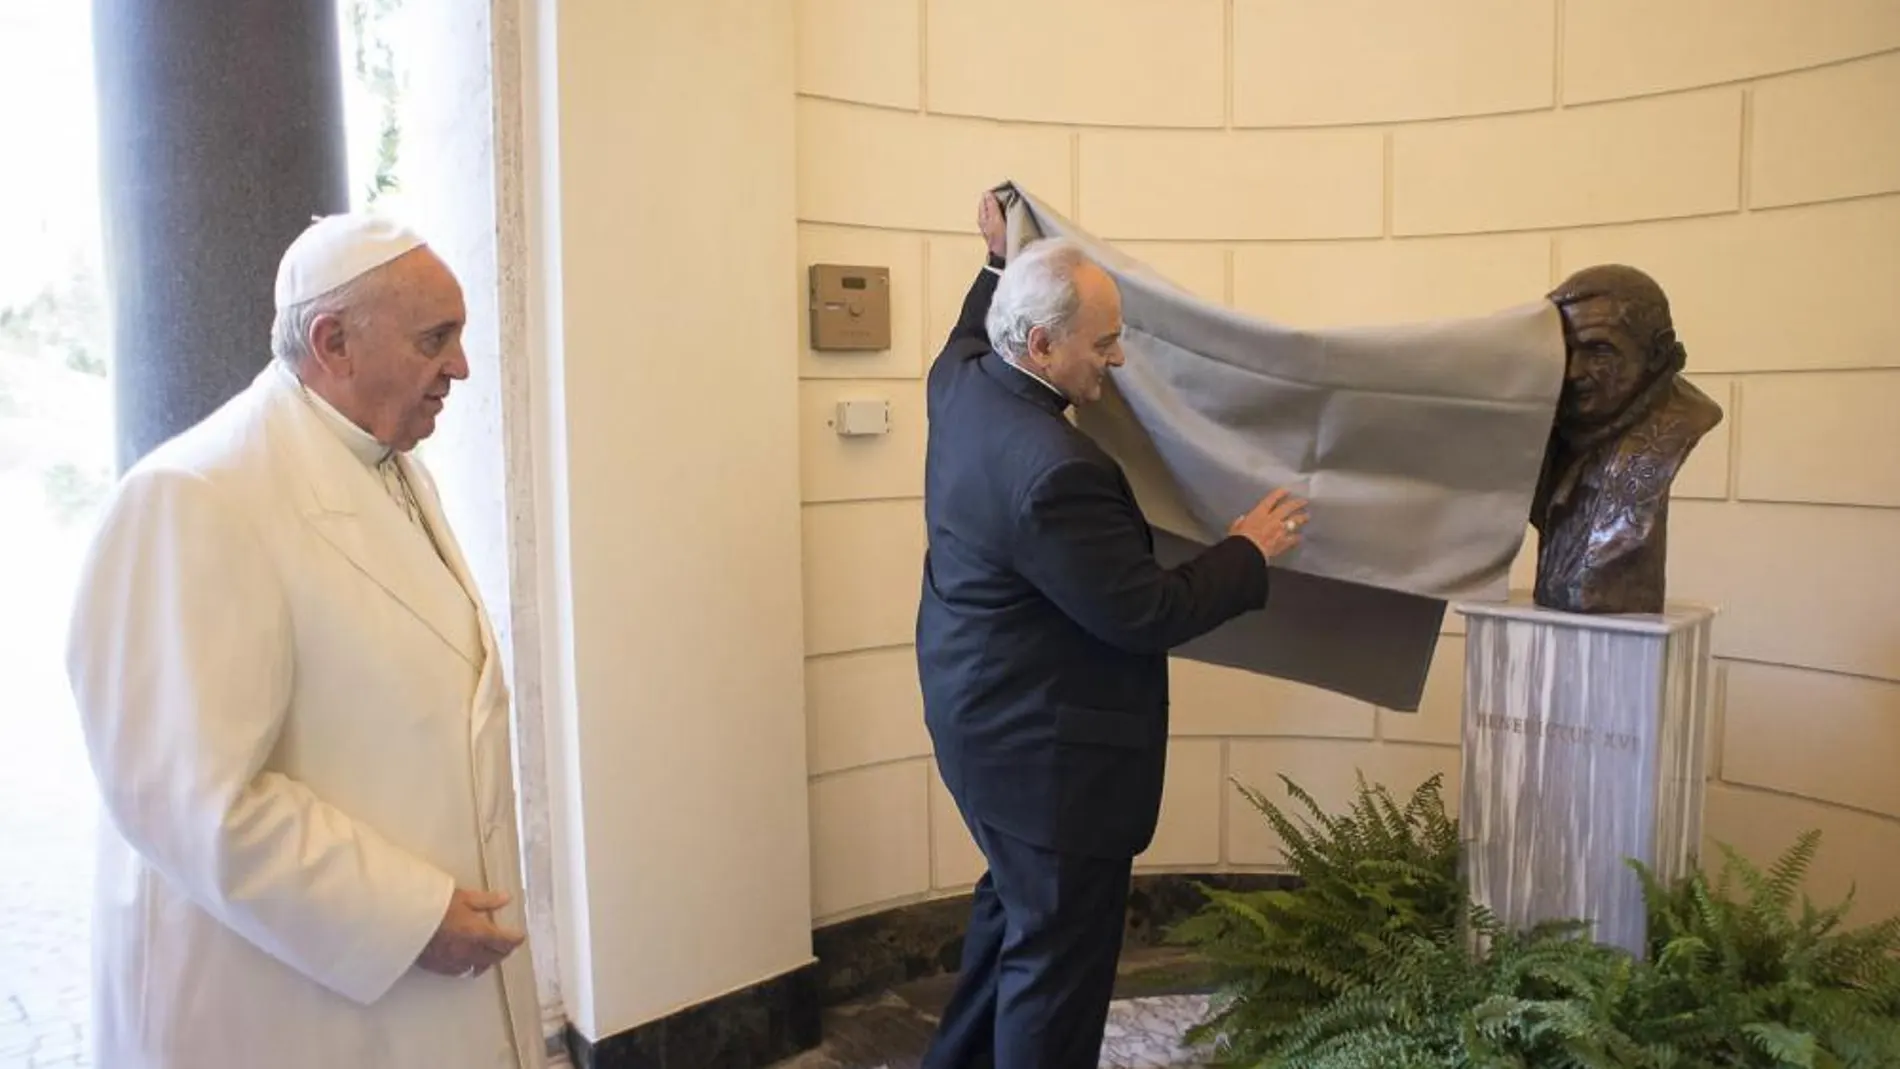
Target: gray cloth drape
{"type": "Point", "coordinates": [1418, 445]}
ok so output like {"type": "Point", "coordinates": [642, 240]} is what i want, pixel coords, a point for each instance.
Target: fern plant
{"type": "Point", "coordinates": [1378, 872]}
{"type": "Point", "coordinates": [1542, 997]}
{"type": "Point", "coordinates": [1748, 972]}
{"type": "Point", "coordinates": [1378, 959]}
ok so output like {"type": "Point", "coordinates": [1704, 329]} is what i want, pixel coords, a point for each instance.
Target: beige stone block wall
{"type": "Point", "coordinates": [1219, 186]}
{"type": "Point", "coordinates": [1613, 49]}
{"type": "Point", "coordinates": [1360, 162]}
{"type": "Point", "coordinates": [872, 826]}
{"type": "Point", "coordinates": [853, 50]}
{"type": "Point", "coordinates": [863, 561]}
{"type": "Point", "coordinates": [1119, 63]}
{"type": "Point", "coordinates": [863, 708]}
{"type": "Point", "coordinates": [1823, 135]}
{"type": "Point", "coordinates": [1794, 289]}
{"type": "Point", "coordinates": [834, 468]}
{"type": "Point", "coordinates": [1657, 158]}
{"type": "Point", "coordinates": [1297, 63]}
{"type": "Point", "coordinates": [1707, 472]}
{"type": "Point", "coordinates": [1185, 838]}
{"type": "Point", "coordinates": [909, 171]}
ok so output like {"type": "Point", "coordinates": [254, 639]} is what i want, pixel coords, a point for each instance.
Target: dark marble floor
{"type": "Point", "coordinates": [1157, 1000]}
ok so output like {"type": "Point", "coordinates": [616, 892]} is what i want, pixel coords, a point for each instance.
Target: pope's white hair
{"type": "Point", "coordinates": [290, 328]}
{"type": "Point", "coordinates": [1037, 290]}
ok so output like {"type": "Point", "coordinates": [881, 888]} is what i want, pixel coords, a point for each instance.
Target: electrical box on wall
{"type": "Point", "coordinates": [857, 419]}
{"type": "Point", "coordinates": [850, 307]}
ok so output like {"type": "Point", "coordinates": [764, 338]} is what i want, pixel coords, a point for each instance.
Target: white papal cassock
{"type": "Point", "coordinates": [293, 706]}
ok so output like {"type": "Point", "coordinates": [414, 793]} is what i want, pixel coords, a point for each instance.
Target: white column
{"type": "Point", "coordinates": [1585, 740]}
{"type": "Point", "coordinates": [663, 311]}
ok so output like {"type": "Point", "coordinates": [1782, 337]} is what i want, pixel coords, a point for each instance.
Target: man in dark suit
{"type": "Point", "coordinates": [1042, 644]}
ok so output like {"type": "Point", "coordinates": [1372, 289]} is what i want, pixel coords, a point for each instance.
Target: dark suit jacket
{"type": "Point", "coordinates": [1045, 622]}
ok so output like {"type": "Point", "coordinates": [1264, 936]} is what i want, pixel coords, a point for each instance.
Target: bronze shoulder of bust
{"type": "Point", "coordinates": [1647, 458]}
{"type": "Point", "coordinates": [1626, 422]}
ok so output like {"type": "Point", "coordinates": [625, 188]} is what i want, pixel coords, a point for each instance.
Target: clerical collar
{"type": "Point", "coordinates": [360, 442]}
{"type": "Point", "coordinates": [1045, 382]}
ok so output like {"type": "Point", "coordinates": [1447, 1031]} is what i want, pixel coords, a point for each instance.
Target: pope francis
{"type": "Point", "coordinates": [295, 712]}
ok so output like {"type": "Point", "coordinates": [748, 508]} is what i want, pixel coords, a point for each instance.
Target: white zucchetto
{"type": "Point", "coordinates": [336, 249]}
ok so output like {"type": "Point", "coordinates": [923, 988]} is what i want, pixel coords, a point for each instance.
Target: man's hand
{"type": "Point", "coordinates": [990, 222]}
{"type": "Point", "coordinates": [1273, 525]}
{"type": "Point", "coordinates": [469, 942]}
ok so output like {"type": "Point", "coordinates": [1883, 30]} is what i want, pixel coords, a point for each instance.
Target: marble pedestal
{"type": "Point", "coordinates": [1584, 745]}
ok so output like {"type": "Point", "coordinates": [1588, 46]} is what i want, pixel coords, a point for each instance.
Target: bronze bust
{"type": "Point", "coordinates": [1626, 420]}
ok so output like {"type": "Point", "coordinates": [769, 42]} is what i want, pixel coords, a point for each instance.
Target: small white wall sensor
{"type": "Point", "coordinates": [858, 419]}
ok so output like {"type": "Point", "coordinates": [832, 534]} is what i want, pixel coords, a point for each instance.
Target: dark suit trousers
{"type": "Point", "coordinates": [1038, 961]}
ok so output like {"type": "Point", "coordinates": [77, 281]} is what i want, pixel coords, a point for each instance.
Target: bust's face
{"type": "Point", "coordinates": [1605, 366]}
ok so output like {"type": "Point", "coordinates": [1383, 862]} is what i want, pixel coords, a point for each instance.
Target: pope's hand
{"type": "Point", "coordinates": [469, 942]}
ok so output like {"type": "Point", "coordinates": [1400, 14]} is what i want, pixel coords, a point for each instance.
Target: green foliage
{"type": "Point", "coordinates": [1378, 872]}
{"type": "Point", "coordinates": [373, 61]}
{"type": "Point", "coordinates": [1537, 998]}
{"type": "Point", "coordinates": [65, 323]}
{"type": "Point", "coordinates": [1379, 960]}
{"type": "Point", "coordinates": [1749, 972]}
{"type": "Point", "coordinates": [74, 494]}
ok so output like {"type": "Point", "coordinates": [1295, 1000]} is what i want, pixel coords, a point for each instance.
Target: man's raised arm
{"type": "Point", "coordinates": [976, 303]}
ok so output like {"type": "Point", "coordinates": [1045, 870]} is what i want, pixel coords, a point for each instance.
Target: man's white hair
{"type": "Point", "coordinates": [1037, 290]}
{"type": "Point", "coordinates": [290, 329]}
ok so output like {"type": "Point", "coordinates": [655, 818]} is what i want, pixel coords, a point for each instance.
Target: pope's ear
{"type": "Point", "coordinates": [326, 339]}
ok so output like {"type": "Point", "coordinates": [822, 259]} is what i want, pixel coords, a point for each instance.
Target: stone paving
{"type": "Point", "coordinates": [47, 803]}
{"type": "Point", "coordinates": [1146, 1023]}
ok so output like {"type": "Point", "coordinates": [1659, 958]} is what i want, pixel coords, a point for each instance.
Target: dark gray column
{"type": "Point", "coordinates": [221, 134]}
